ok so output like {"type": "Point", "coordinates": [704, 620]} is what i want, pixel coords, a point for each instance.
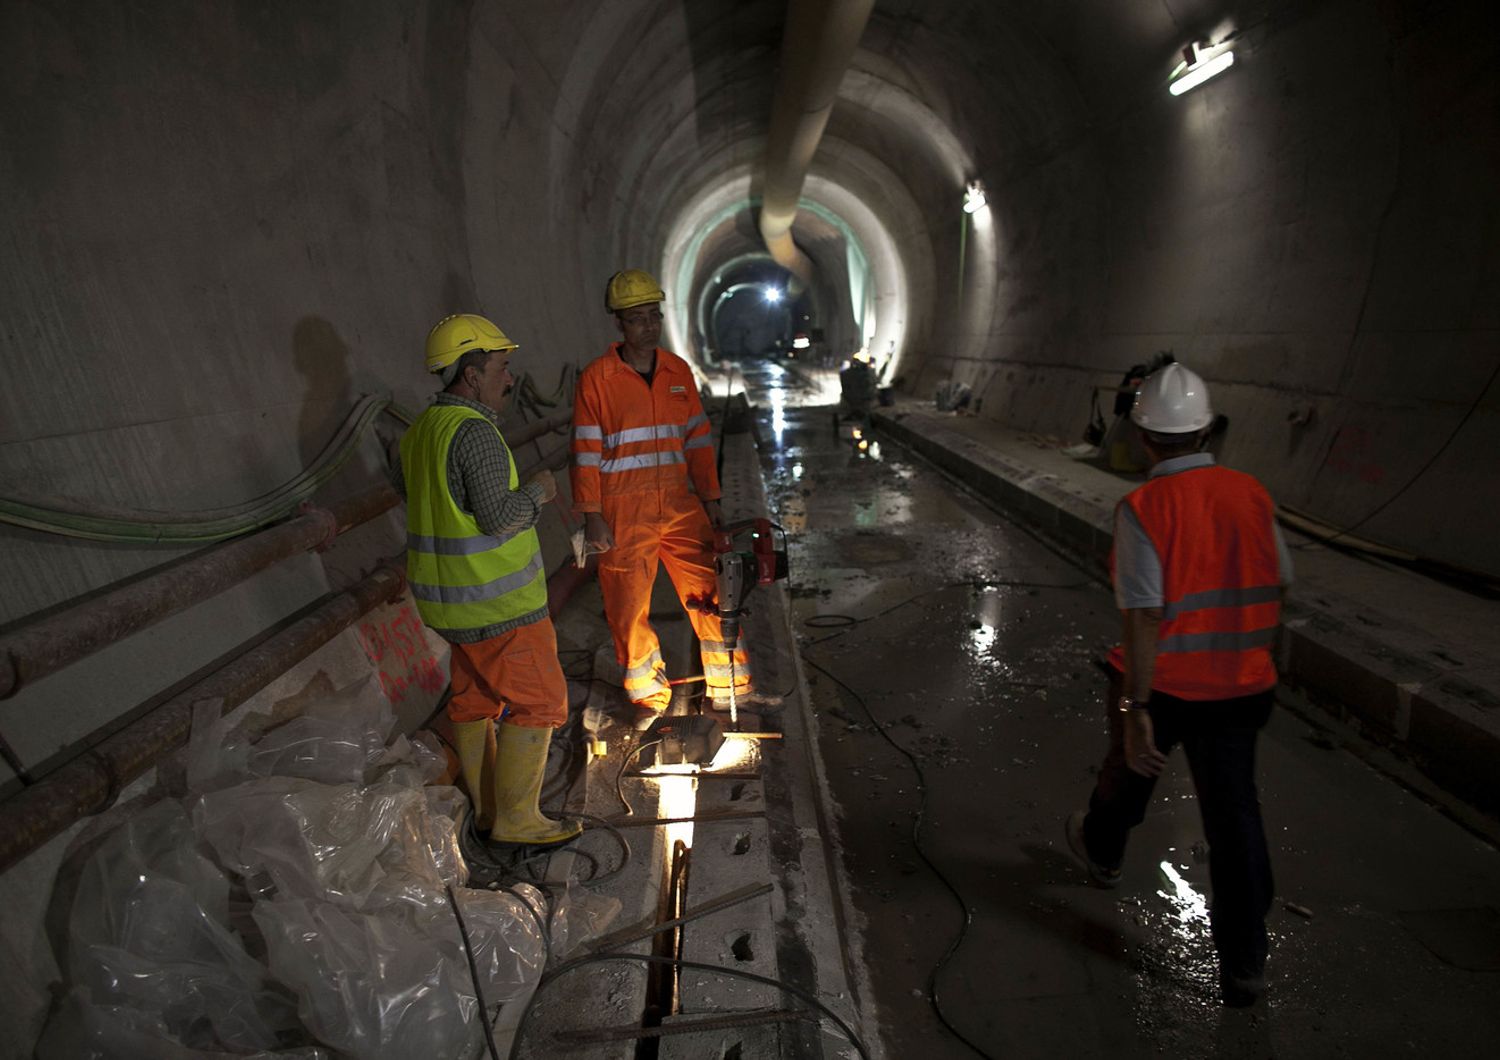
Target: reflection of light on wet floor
{"type": "Point", "coordinates": [778, 413]}
{"type": "Point", "coordinates": [1188, 904]}
{"type": "Point", "coordinates": [986, 623]}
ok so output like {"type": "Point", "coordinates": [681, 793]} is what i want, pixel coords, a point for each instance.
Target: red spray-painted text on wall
{"type": "Point", "coordinates": [400, 652]}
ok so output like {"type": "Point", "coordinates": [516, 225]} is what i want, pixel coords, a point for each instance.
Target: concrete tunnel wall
{"type": "Point", "coordinates": [224, 222]}
{"type": "Point", "coordinates": [228, 222]}
{"type": "Point", "coordinates": [1315, 232]}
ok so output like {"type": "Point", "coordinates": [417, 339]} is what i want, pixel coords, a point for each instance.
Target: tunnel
{"type": "Point", "coordinates": [229, 228]}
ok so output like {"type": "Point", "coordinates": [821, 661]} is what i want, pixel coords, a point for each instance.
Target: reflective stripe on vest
{"type": "Point", "coordinates": [1213, 530]}
{"type": "Point", "coordinates": [461, 577]}
{"type": "Point", "coordinates": [635, 435]}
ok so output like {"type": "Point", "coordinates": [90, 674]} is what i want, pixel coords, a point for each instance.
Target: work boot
{"type": "Point", "coordinates": [475, 741]}
{"type": "Point", "coordinates": [645, 715]}
{"type": "Point", "coordinates": [520, 764]}
{"type": "Point", "coordinates": [1100, 874]}
{"type": "Point", "coordinates": [1241, 991]}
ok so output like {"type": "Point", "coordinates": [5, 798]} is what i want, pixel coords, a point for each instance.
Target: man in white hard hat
{"type": "Point", "coordinates": [474, 565]}
{"type": "Point", "coordinates": [1200, 569]}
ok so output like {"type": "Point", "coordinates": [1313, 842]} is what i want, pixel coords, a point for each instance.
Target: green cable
{"type": "Point", "coordinates": [202, 527]}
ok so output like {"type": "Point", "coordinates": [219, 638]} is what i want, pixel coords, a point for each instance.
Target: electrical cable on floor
{"type": "Point", "coordinates": [588, 653]}
{"type": "Point", "coordinates": [698, 966]}
{"type": "Point", "coordinates": [478, 849]}
{"type": "Point", "coordinates": [484, 1009]}
{"type": "Point", "coordinates": [543, 925]}
{"type": "Point", "coordinates": [620, 776]}
{"type": "Point", "coordinates": [916, 841]}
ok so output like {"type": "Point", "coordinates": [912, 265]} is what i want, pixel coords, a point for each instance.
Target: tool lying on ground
{"type": "Point", "coordinates": [689, 740]}
{"type": "Point", "coordinates": [738, 570]}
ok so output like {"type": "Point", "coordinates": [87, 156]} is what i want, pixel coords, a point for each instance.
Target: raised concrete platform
{"type": "Point", "coordinates": [796, 933]}
{"type": "Point", "coordinates": [1412, 663]}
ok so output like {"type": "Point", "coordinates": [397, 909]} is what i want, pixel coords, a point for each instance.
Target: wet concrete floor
{"type": "Point", "coordinates": [974, 645]}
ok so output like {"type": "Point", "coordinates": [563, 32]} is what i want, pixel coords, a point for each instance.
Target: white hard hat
{"type": "Point", "coordinates": [1173, 400]}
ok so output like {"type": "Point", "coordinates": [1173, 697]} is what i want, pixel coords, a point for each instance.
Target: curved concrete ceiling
{"type": "Point", "coordinates": [1303, 230]}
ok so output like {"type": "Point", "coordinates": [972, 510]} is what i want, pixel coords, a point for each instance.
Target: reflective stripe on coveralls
{"type": "Point", "coordinates": [676, 538]}
{"type": "Point", "coordinates": [461, 578]}
{"type": "Point", "coordinates": [1212, 529]}
{"type": "Point", "coordinates": [645, 681]}
{"type": "Point", "coordinates": [630, 435]}
{"type": "Point", "coordinates": [636, 447]}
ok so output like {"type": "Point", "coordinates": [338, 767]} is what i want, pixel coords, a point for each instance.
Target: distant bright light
{"type": "Point", "coordinates": [1201, 71]}
{"type": "Point", "coordinates": [773, 295]}
{"type": "Point", "coordinates": [801, 342]}
{"type": "Point", "coordinates": [974, 197]}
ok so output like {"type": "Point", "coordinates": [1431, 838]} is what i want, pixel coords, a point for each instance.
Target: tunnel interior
{"type": "Point", "coordinates": [299, 192]}
{"type": "Point", "coordinates": [226, 224]}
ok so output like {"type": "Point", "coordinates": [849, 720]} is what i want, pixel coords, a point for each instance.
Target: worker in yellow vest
{"type": "Point", "coordinates": [475, 569]}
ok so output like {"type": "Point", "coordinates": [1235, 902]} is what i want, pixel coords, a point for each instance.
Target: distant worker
{"type": "Point", "coordinates": [640, 440]}
{"type": "Point", "coordinates": [857, 387]}
{"type": "Point", "coordinates": [1199, 572]}
{"type": "Point", "coordinates": [475, 569]}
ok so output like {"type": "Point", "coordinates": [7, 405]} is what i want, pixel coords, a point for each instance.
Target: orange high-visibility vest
{"type": "Point", "coordinates": [1213, 531]}
{"type": "Point", "coordinates": [631, 437]}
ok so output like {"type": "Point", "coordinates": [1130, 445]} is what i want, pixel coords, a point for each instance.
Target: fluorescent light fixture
{"type": "Point", "coordinates": [973, 197]}
{"type": "Point", "coordinates": [773, 295]}
{"type": "Point", "coordinates": [1200, 71]}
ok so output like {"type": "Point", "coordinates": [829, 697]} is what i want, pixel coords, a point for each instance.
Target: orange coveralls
{"type": "Point", "coordinates": [635, 446]}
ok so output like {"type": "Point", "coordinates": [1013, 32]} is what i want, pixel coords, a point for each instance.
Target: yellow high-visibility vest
{"type": "Point", "coordinates": [461, 577]}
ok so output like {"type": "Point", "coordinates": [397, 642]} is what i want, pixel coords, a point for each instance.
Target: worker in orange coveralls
{"type": "Point", "coordinates": [640, 437]}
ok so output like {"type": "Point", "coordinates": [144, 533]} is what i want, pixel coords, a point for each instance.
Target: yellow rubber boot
{"type": "Point", "coordinates": [519, 768]}
{"type": "Point", "coordinates": [475, 741]}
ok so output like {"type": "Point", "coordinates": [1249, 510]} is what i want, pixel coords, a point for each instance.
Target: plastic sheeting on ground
{"type": "Point", "coordinates": [295, 898]}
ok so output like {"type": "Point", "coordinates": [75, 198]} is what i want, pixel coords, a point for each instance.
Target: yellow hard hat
{"type": "Point", "coordinates": [632, 287]}
{"type": "Point", "coordinates": [460, 334]}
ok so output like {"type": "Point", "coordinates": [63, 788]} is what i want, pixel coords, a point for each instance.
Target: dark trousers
{"type": "Point", "coordinates": [1219, 738]}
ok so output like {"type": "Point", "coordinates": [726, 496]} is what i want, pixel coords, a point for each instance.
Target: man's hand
{"type": "Point", "coordinates": [596, 532]}
{"type": "Point", "coordinates": [715, 513]}
{"type": "Point", "coordinates": [544, 479]}
{"type": "Point", "coordinates": [1141, 755]}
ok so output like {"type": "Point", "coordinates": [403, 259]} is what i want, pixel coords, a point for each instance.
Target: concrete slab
{"type": "Point", "coordinates": [792, 934]}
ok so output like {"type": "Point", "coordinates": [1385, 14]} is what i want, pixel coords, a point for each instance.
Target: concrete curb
{"type": "Point", "coordinates": [1449, 726]}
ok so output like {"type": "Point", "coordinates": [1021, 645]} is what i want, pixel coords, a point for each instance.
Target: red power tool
{"type": "Point", "coordinates": [739, 569]}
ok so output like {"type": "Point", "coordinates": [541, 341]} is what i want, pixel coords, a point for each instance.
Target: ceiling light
{"type": "Point", "coordinates": [973, 197]}
{"type": "Point", "coordinates": [1193, 71]}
